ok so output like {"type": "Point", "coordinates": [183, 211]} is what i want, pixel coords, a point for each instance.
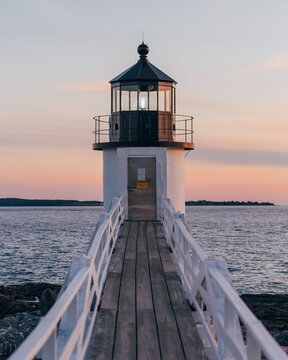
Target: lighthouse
{"type": "Point", "coordinates": [143, 141]}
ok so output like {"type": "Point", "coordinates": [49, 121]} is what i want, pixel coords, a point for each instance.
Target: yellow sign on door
{"type": "Point", "coordinates": [141, 184]}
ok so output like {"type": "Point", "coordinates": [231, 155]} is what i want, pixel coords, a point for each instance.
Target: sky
{"type": "Point", "coordinates": [230, 59]}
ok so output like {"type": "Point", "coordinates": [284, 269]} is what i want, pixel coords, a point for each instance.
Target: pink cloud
{"type": "Point", "coordinates": [96, 86]}
{"type": "Point", "coordinates": [276, 62]}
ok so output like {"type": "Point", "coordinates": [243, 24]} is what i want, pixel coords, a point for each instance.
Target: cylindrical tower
{"type": "Point", "coordinates": [143, 141]}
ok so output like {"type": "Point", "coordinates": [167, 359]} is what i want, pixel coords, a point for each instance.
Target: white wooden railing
{"type": "Point", "coordinates": [65, 331]}
{"type": "Point", "coordinates": [227, 328]}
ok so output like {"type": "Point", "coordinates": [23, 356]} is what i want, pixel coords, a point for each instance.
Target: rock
{"type": "Point", "coordinates": [19, 310]}
{"type": "Point", "coordinates": [28, 290]}
{"type": "Point", "coordinates": [24, 297]}
{"type": "Point", "coordinates": [18, 306]}
{"type": "Point", "coordinates": [4, 299]}
{"type": "Point", "coordinates": [47, 299]}
{"type": "Point", "coordinates": [14, 329]}
{"type": "Point", "coordinates": [272, 310]}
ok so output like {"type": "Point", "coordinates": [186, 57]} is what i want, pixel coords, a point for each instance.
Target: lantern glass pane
{"type": "Point", "coordinates": [116, 99]}
{"type": "Point", "coordinates": [133, 100]}
{"type": "Point", "coordinates": [143, 100]}
{"type": "Point", "coordinates": [124, 100]}
{"type": "Point", "coordinates": [161, 99]}
{"type": "Point", "coordinates": [165, 94]}
{"type": "Point", "coordinates": [153, 100]}
{"type": "Point", "coordinates": [168, 99]}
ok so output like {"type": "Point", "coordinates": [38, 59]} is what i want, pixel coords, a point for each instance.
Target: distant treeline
{"type": "Point", "coordinates": [36, 202]}
{"type": "Point", "coordinates": [226, 203]}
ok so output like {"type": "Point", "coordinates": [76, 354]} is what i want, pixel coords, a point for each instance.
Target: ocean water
{"type": "Point", "coordinates": [252, 239]}
{"type": "Point", "coordinates": [37, 244]}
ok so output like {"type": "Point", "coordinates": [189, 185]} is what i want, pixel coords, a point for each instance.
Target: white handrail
{"type": "Point", "coordinates": [218, 307]}
{"type": "Point", "coordinates": [65, 331]}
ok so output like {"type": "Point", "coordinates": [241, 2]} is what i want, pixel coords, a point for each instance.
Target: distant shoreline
{"type": "Point", "coordinates": [39, 202]}
{"type": "Point", "coordinates": [10, 202]}
{"type": "Point", "coordinates": [227, 203]}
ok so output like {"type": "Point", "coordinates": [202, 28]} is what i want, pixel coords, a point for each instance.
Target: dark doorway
{"type": "Point", "coordinates": [142, 188]}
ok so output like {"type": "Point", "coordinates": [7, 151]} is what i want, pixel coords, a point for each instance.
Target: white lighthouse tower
{"type": "Point", "coordinates": [143, 141]}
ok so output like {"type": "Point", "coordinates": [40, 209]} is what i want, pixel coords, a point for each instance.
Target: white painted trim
{"type": "Point", "coordinates": [218, 308]}
{"type": "Point", "coordinates": [65, 331]}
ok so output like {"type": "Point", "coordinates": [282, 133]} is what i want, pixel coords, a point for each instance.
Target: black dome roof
{"type": "Point", "coordinates": [143, 70]}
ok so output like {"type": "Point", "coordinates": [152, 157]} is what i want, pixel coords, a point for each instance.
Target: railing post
{"type": "Point", "coordinates": [192, 130]}
{"type": "Point", "coordinates": [99, 129]}
{"type": "Point", "coordinates": [253, 350]}
{"type": "Point", "coordinates": [49, 350]}
{"type": "Point", "coordinates": [230, 321]}
{"type": "Point", "coordinates": [72, 313]}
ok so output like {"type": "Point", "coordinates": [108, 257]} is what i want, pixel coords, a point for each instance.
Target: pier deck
{"type": "Point", "coordinates": [143, 312]}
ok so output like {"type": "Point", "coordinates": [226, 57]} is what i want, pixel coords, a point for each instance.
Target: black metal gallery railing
{"type": "Point", "coordinates": [129, 127]}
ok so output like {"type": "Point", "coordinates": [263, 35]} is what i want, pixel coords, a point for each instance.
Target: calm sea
{"type": "Point", "coordinates": [37, 244]}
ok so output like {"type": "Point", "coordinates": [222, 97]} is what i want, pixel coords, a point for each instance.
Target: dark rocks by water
{"type": "Point", "coordinates": [14, 329]}
{"type": "Point", "coordinates": [21, 307]}
{"type": "Point", "coordinates": [47, 299]}
{"type": "Point", "coordinates": [272, 310]}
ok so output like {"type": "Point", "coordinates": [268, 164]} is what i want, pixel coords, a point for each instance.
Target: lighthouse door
{"type": "Point", "coordinates": [142, 188]}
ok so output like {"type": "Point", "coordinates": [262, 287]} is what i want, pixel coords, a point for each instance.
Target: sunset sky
{"type": "Point", "coordinates": [230, 59]}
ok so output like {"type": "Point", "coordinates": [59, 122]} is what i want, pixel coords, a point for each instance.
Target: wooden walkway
{"type": "Point", "coordinates": [143, 313]}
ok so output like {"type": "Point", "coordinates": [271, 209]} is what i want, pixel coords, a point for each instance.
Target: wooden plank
{"type": "Point", "coordinates": [167, 262]}
{"type": "Point", "coordinates": [142, 254]}
{"type": "Point", "coordinates": [162, 305]}
{"type": "Point", "coordinates": [126, 311]}
{"type": "Point", "coordinates": [111, 291]}
{"type": "Point", "coordinates": [159, 231]}
{"type": "Point", "coordinates": [128, 272]}
{"type": "Point", "coordinates": [102, 346]}
{"type": "Point", "coordinates": [156, 270]}
{"type": "Point", "coordinates": [141, 241]}
{"type": "Point", "coordinates": [144, 294]}
{"type": "Point", "coordinates": [116, 261]}
{"type": "Point", "coordinates": [125, 341]}
{"type": "Point", "coordinates": [153, 252]}
{"type": "Point", "coordinates": [124, 230]}
{"type": "Point", "coordinates": [176, 293]}
{"type": "Point", "coordinates": [142, 262]}
{"type": "Point", "coordinates": [125, 337]}
{"type": "Point", "coordinates": [130, 252]}
{"type": "Point", "coordinates": [170, 343]}
{"type": "Point", "coordinates": [143, 286]}
{"type": "Point", "coordinates": [147, 337]}
{"type": "Point", "coordinates": [189, 335]}
{"type": "Point", "coordinates": [161, 239]}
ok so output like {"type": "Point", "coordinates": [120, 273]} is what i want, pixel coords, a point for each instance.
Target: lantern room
{"type": "Point", "coordinates": [143, 110]}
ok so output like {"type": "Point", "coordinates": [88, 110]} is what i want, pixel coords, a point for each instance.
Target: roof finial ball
{"type": "Point", "coordinates": [143, 50]}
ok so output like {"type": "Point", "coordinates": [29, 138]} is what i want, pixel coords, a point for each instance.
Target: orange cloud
{"type": "Point", "coordinates": [52, 174]}
{"type": "Point", "coordinates": [238, 182]}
